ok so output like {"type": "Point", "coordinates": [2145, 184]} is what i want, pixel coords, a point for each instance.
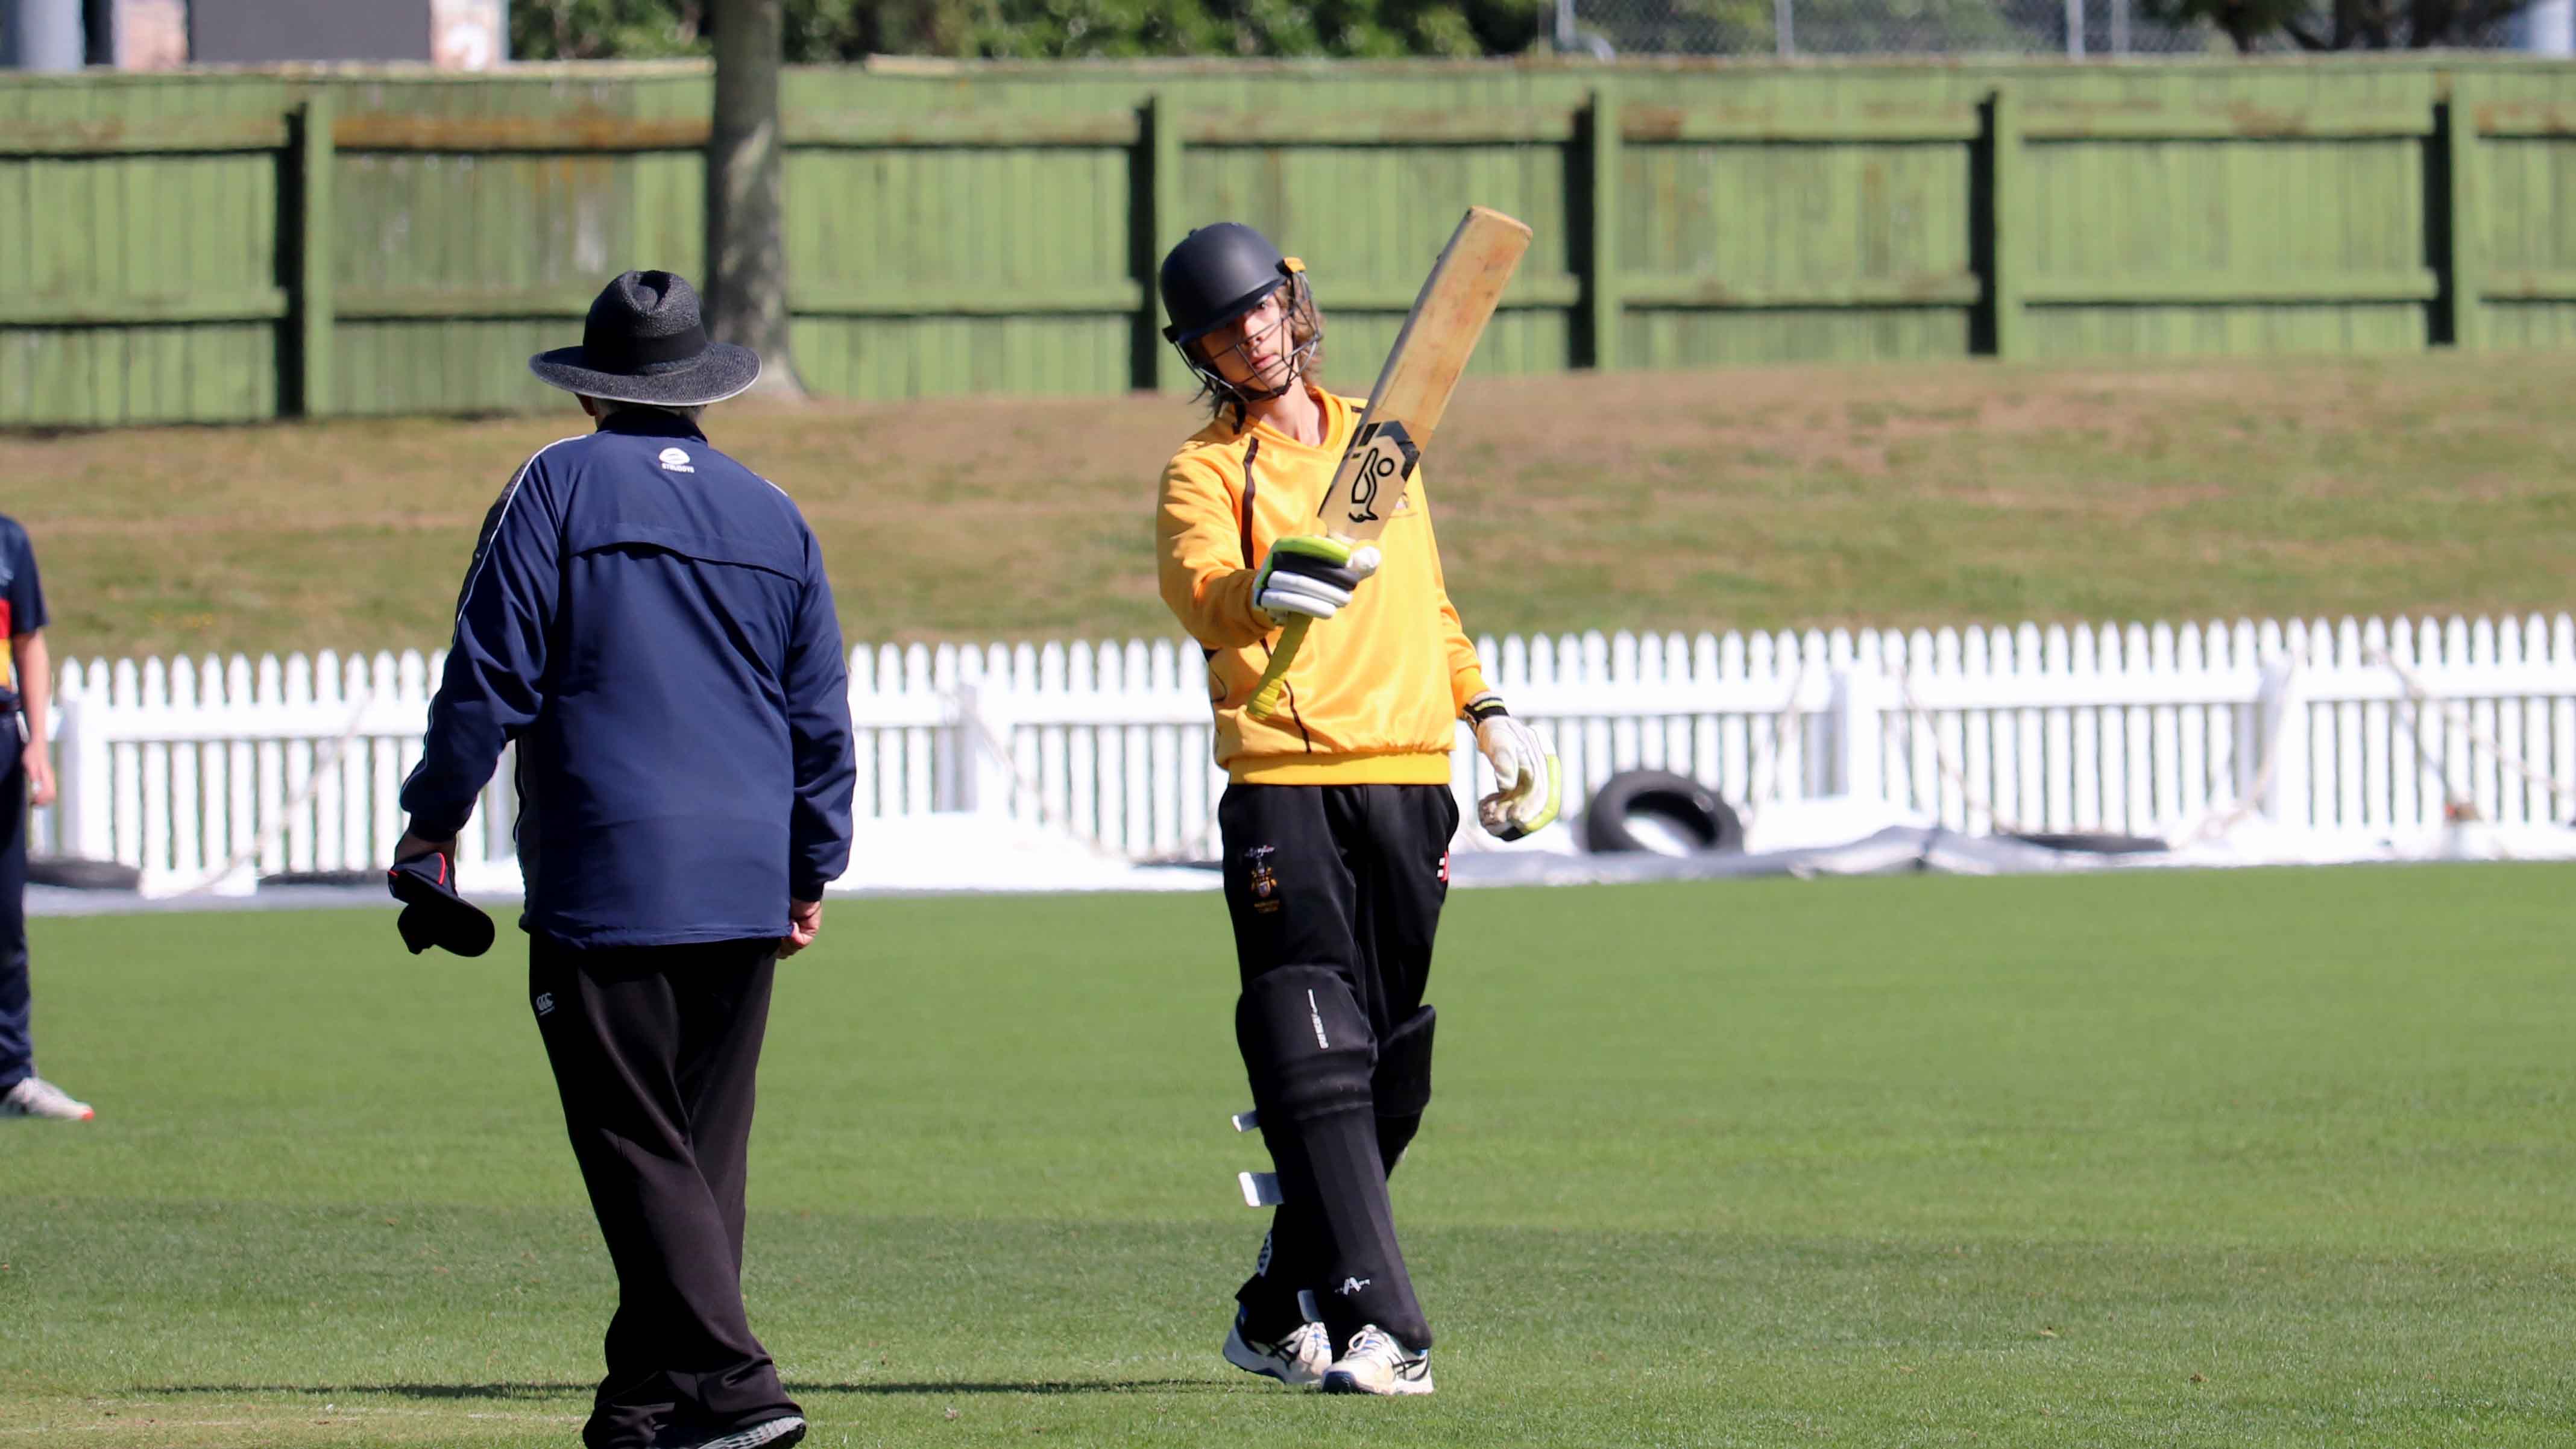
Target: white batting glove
{"type": "Point", "coordinates": [1311, 575]}
{"type": "Point", "coordinates": [1524, 767]}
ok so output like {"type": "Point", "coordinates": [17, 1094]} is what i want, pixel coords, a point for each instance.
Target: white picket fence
{"type": "Point", "coordinates": [193, 770]}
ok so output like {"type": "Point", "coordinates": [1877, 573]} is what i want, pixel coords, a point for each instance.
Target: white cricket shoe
{"type": "Point", "coordinates": [1377, 1364]}
{"type": "Point", "coordinates": [36, 1097]}
{"type": "Point", "coordinates": [767, 1434]}
{"type": "Point", "coordinates": [1297, 1360]}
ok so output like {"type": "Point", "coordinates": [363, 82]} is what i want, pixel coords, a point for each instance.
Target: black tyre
{"type": "Point", "coordinates": [84, 875]}
{"type": "Point", "coordinates": [1660, 812]}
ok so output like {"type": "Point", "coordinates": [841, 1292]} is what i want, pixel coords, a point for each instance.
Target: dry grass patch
{"type": "Point", "coordinates": [1774, 497]}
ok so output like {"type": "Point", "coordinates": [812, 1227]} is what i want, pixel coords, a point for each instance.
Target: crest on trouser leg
{"type": "Point", "coordinates": [1260, 879]}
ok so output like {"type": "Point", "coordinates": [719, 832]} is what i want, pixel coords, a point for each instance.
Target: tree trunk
{"type": "Point", "coordinates": [746, 193]}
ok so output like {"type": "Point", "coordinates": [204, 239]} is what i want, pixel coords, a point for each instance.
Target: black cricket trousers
{"type": "Point", "coordinates": [654, 1050]}
{"type": "Point", "coordinates": [1350, 878]}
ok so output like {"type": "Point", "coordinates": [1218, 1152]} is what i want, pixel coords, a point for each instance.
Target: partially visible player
{"type": "Point", "coordinates": [1338, 814]}
{"type": "Point", "coordinates": [26, 679]}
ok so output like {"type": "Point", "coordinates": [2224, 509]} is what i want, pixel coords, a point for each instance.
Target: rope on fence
{"type": "Point", "coordinates": [2420, 701]}
{"type": "Point", "coordinates": [2213, 825]}
{"type": "Point", "coordinates": [1022, 786]}
{"type": "Point", "coordinates": [1759, 791]}
{"type": "Point", "coordinates": [2218, 820]}
{"type": "Point", "coordinates": [323, 763]}
{"type": "Point", "coordinates": [1916, 716]}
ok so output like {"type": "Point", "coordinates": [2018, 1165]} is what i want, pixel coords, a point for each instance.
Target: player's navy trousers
{"type": "Point", "coordinates": [17, 1050]}
{"type": "Point", "coordinates": [1350, 878]}
{"type": "Point", "coordinates": [654, 1051]}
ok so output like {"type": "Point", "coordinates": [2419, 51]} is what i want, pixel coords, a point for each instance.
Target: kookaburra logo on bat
{"type": "Point", "coordinates": [1384, 453]}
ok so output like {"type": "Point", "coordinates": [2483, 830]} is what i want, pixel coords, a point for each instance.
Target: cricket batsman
{"type": "Point", "coordinates": [1338, 814]}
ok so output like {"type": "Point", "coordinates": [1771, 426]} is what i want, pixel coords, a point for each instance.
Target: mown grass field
{"type": "Point", "coordinates": [1891, 495]}
{"type": "Point", "coordinates": [2229, 1159]}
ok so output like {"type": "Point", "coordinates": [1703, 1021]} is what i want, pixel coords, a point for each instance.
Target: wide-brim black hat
{"type": "Point", "coordinates": [645, 342]}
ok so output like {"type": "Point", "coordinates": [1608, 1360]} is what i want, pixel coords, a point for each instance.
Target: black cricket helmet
{"type": "Point", "coordinates": [1215, 275]}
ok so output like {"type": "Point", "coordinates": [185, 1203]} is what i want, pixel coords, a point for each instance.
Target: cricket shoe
{"type": "Point", "coordinates": [1377, 1364]}
{"type": "Point", "coordinates": [767, 1434]}
{"type": "Point", "coordinates": [1297, 1360]}
{"type": "Point", "coordinates": [36, 1097]}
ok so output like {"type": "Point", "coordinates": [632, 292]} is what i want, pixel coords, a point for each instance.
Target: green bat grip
{"type": "Point", "coordinates": [1274, 680]}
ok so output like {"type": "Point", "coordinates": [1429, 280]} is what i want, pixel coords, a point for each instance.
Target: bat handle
{"type": "Point", "coordinates": [1274, 680]}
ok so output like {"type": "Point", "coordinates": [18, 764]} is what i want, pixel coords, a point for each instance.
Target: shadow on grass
{"type": "Point", "coordinates": [563, 1390]}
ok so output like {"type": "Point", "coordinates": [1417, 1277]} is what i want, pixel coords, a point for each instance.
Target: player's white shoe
{"type": "Point", "coordinates": [1297, 1360]}
{"type": "Point", "coordinates": [767, 1434]}
{"type": "Point", "coordinates": [1377, 1364]}
{"type": "Point", "coordinates": [36, 1097]}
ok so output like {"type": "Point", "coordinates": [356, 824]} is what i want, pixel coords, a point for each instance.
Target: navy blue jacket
{"type": "Point", "coordinates": [22, 605]}
{"type": "Point", "coordinates": [649, 620]}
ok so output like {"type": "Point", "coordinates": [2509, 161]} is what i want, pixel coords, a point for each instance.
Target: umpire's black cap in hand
{"type": "Point", "coordinates": [433, 914]}
{"type": "Point", "coordinates": [645, 343]}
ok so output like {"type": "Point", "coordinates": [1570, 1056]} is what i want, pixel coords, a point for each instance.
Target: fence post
{"type": "Point", "coordinates": [2283, 706]}
{"type": "Point", "coordinates": [2007, 232]}
{"type": "Point", "coordinates": [1161, 152]}
{"type": "Point", "coordinates": [2460, 223]}
{"type": "Point", "coordinates": [1857, 717]}
{"type": "Point", "coordinates": [88, 795]}
{"type": "Point", "coordinates": [500, 810]}
{"type": "Point", "coordinates": [1603, 307]}
{"type": "Point", "coordinates": [984, 733]}
{"type": "Point", "coordinates": [314, 315]}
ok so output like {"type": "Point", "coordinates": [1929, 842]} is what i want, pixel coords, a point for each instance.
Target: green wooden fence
{"type": "Point", "coordinates": [242, 245]}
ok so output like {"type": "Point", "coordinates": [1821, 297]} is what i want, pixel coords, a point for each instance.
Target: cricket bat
{"type": "Point", "coordinates": [1404, 408]}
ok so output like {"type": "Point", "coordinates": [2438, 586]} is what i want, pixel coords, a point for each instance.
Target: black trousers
{"type": "Point", "coordinates": [1349, 878]}
{"type": "Point", "coordinates": [654, 1050]}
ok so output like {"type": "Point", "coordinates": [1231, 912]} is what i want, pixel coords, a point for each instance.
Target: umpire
{"type": "Point", "coordinates": [650, 622]}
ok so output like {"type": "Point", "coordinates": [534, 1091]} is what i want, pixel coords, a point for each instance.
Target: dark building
{"type": "Point", "coordinates": [256, 32]}
{"type": "Point", "coordinates": [165, 34]}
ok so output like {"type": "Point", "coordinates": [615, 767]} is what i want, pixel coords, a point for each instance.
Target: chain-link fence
{"type": "Point", "coordinates": [1896, 27]}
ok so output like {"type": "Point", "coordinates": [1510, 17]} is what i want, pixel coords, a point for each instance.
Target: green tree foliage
{"type": "Point", "coordinates": [830, 30]}
{"type": "Point", "coordinates": [1839, 27]}
{"type": "Point", "coordinates": [2344, 24]}
{"type": "Point", "coordinates": [608, 29]}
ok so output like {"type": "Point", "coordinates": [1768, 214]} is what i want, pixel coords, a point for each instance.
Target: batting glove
{"type": "Point", "coordinates": [1311, 575]}
{"type": "Point", "coordinates": [1524, 767]}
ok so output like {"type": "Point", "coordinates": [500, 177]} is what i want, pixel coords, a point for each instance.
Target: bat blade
{"type": "Point", "coordinates": [1405, 406]}
{"type": "Point", "coordinates": [1422, 371]}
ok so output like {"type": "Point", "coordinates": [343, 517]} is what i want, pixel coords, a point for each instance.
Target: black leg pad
{"type": "Point", "coordinates": [1401, 1085]}
{"type": "Point", "coordinates": [1309, 1054]}
{"type": "Point", "coordinates": [1306, 1045]}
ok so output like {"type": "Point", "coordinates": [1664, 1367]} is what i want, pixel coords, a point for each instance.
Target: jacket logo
{"type": "Point", "coordinates": [545, 1003]}
{"type": "Point", "coordinates": [676, 460]}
